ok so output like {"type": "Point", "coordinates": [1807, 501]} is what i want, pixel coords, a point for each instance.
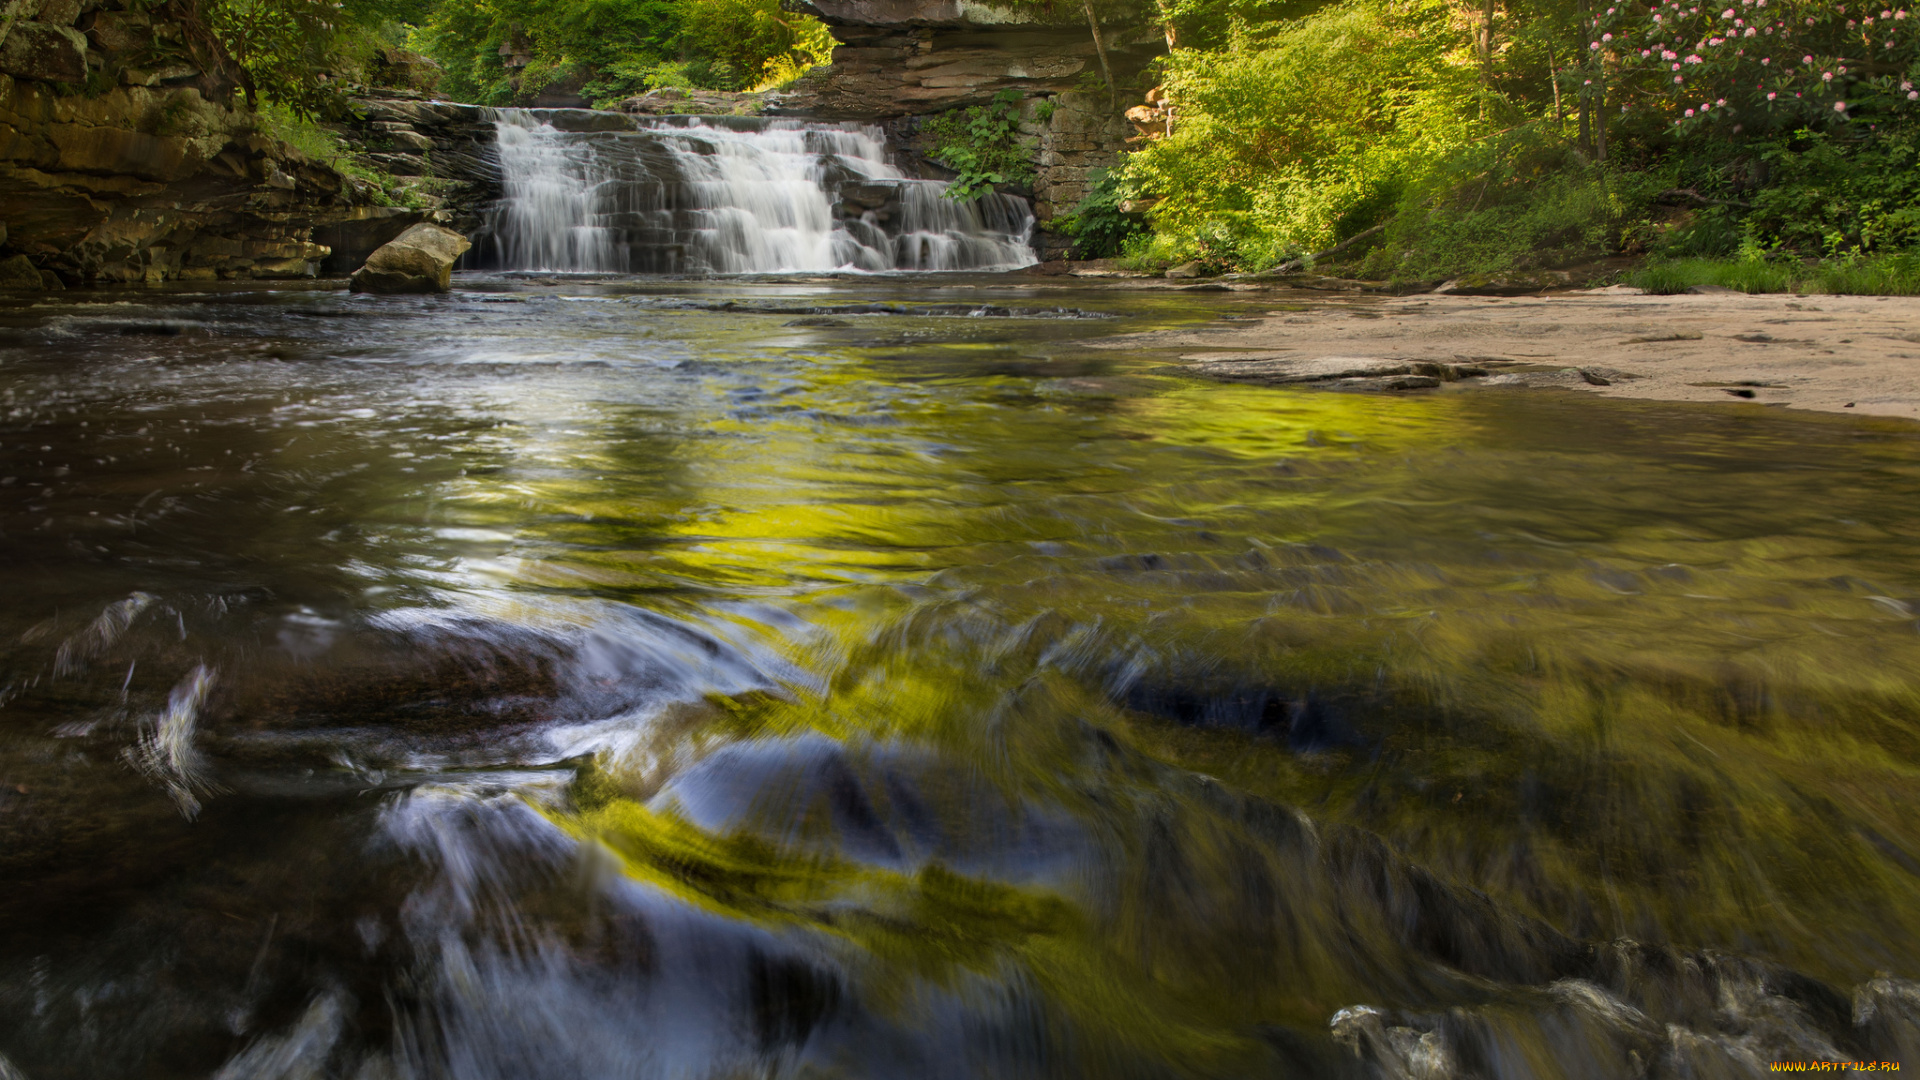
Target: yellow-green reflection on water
{"type": "Point", "coordinates": [1145, 725]}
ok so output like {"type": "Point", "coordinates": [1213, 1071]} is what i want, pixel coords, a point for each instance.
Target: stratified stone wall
{"type": "Point", "coordinates": [1084, 134]}
{"type": "Point", "coordinates": [902, 60]}
{"type": "Point", "coordinates": [126, 156]}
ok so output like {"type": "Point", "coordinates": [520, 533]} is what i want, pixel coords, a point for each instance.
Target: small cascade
{"type": "Point", "coordinates": [595, 191]}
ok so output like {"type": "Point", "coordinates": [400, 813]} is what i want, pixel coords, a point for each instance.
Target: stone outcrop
{"type": "Point", "coordinates": [901, 61]}
{"type": "Point", "coordinates": [673, 101]}
{"type": "Point", "coordinates": [441, 164]}
{"type": "Point", "coordinates": [126, 155]}
{"type": "Point", "coordinates": [419, 260]}
{"type": "Point", "coordinates": [905, 57]}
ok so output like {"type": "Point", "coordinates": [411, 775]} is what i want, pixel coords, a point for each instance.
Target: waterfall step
{"type": "Point", "coordinates": [587, 191]}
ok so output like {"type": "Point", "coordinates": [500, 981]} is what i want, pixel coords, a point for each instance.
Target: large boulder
{"type": "Point", "coordinates": [18, 272]}
{"type": "Point", "coordinates": [419, 260]}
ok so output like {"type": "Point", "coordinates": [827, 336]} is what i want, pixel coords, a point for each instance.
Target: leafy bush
{"type": "Point", "coordinates": [286, 48]}
{"type": "Point", "coordinates": [617, 47]}
{"type": "Point", "coordinates": [1752, 65]}
{"type": "Point", "coordinates": [1099, 225]}
{"type": "Point", "coordinates": [1872, 275]}
{"type": "Point", "coordinates": [1520, 201]}
{"type": "Point", "coordinates": [1291, 139]}
{"type": "Point", "coordinates": [983, 145]}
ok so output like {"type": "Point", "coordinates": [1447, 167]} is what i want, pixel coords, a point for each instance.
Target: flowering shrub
{"type": "Point", "coordinates": [1750, 65]}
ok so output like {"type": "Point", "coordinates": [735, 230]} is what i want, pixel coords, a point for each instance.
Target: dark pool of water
{"type": "Point", "coordinates": [608, 679]}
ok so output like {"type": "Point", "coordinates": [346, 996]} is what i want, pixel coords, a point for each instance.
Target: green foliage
{"type": "Point", "coordinates": [983, 145]}
{"type": "Point", "coordinates": [289, 126]}
{"type": "Point", "coordinates": [1869, 275]}
{"type": "Point", "coordinates": [287, 49]}
{"type": "Point", "coordinates": [1523, 200]}
{"type": "Point", "coordinates": [617, 47]}
{"type": "Point", "coordinates": [1737, 65]}
{"type": "Point", "coordinates": [1292, 138]}
{"type": "Point", "coordinates": [1099, 226]}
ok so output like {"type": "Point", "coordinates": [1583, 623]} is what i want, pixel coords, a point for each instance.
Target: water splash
{"type": "Point", "coordinates": [597, 192]}
{"type": "Point", "coordinates": [166, 753]}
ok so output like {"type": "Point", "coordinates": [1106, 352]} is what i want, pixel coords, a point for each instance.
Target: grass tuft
{"type": "Point", "coordinates": [1873, 275]}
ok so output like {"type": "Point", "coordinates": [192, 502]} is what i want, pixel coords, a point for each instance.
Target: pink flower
{"type": "Point", "coordinates": [1727, 14]}
{"type": "Point", "coordinates": [1606, 37]}
{"type": "Point", "coordinates": [1656, 18]}
{"type": "Point", "coordinates": [1906, 86]}
{"type": "Point", "coordinates": [1595, 45]}
{"type": "Point", "coordinates": [1750, 32]}
{"type": "Point", "coordinates": [1826, 76]}
{"type": "Point", "coordinates": [1722, 101]}
{"type": "Point", "coordinates": [1689, 111]}
{"type": "Point", "coordinates": [1809, 21]}
{"type": "Point", "coordinates": [1900, 14]}
{"type": "Point", "coordinates": [1765, 60]}
{"type": "Point", "coordinates": [1692, 59]}
{"type": "Point", "coordinates": [1669, 55]}
{"type": "Point", "coordinates": [1806, 59]}
{"type": "Point", "coordinates": [1913, 95]}
{"type": "Point", "coordinates": [1770, 97]}
{"type": "Point", "coordinates": [1715, 41]}
{"type": "Point", "coordinates": [1676, 67]}
{"type": "Point", "coordinates": [1644, 53]}
{"type": "Point", "coordinates": [1886, 14]}
{"type": "Point", "coordinates": [1679, 79]}
{"type": "Point", "coordinates": [1839, 106]}
{"type": "Point", "coordinates": [1851, 24]}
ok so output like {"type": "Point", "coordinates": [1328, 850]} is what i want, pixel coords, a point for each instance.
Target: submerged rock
{"type": "Point", "coordinates": [419, 260]}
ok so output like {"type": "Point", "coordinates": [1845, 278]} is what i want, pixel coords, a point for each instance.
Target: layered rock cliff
{"type": "Point", "coordinates": [899, 61]}
{"type": "Point", "coordinates": [126, 155]}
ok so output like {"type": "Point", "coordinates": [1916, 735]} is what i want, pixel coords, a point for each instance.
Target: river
{"type": "Point", "coordinates": [865, 677]}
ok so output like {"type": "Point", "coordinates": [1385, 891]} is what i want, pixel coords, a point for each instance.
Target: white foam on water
{"type": "Point", "coordinates": [732, 196]}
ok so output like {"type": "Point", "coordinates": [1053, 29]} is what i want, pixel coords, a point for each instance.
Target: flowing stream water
{"type": "Point", "coordinates": [599, 191]}
{"type": "Point", "coordinates": [865, 677]}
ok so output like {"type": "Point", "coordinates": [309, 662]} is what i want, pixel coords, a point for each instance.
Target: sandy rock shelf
{"type": "Point", "coordinates": [1853, 354]}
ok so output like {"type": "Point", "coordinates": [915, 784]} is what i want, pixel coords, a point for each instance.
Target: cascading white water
{"type": "Point", "coordinates": [591, 191]}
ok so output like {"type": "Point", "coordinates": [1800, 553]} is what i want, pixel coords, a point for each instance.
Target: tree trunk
{"type": "Point", "coordinates": [1100, 47]}
{"type": "Point", "coordinates": [1486, 48]}
{"type": "Point", "coordinates": [1553, 73]}
{"type": "Point", "coordinates": [1600, 115]}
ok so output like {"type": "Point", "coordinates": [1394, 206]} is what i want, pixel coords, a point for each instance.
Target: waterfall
{"type": "Point", "coordinates": [597, 191]}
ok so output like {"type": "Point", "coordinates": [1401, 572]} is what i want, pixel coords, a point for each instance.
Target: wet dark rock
{"type": "Point", "coordinates": [44, 52]}
{"type": "Point", "coordinates": [17, 272]}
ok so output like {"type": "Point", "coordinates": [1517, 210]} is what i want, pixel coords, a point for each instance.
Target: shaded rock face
{"type": "Point", "coordinates": [902, 61]}
{"type": "Point", "coordinates": [444, 165]}
{"type": "Point", "coordinates": [126, 156]}
{"type": "Point", "coordinates": [419, 260]}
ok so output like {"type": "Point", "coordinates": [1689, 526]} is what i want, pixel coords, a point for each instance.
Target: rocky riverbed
{"type": "Point", "coordinates": [1856, 354]}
